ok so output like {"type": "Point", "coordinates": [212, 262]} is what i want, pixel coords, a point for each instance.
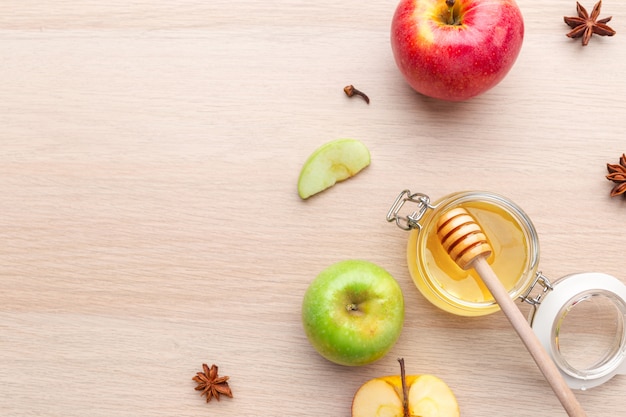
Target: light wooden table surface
{"type": "Point", "coordinates": [149, 220]}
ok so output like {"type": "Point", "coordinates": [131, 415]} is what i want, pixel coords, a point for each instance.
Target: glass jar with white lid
{"type": "Point", "coordinates": [580, 319]}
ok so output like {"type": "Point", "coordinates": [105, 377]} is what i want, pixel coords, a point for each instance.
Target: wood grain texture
{"type": "Point", "coordinates": [150, 222]}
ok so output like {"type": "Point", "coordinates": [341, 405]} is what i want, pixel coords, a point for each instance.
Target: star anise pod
{"type": "Point", "coordinates": [586, 25]}
{"type": "Point", "coordinates": [617, 174]}
{"type": "Point", "coordinates": [211, 384]}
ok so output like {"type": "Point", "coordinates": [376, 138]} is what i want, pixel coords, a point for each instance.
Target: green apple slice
{"type": "Point", "coordinates": [332, 162]}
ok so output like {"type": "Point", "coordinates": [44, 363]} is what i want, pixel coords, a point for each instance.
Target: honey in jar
{"type": "Point", "coordinates": [514, 257]}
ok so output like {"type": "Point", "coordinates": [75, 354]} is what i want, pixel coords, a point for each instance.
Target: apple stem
{"type": "Point", "coordinates": [450, 4]}
{"type": "Point", "coordinates": [405, 390]}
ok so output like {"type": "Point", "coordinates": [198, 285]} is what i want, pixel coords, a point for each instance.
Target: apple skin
{"type": "Point", "coordinates": [353, 312]}
{"type": "Point", "coordinates": [456, 62]}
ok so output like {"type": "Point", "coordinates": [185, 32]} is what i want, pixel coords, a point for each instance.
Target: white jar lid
{"type": "Point", "coordinates": [582, 325]}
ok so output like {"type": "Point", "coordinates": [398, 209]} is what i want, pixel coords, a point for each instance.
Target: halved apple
{"type": "Point", "coordinates": [332, 162]}
{"type": "Point", "coordinates": [427, 396]}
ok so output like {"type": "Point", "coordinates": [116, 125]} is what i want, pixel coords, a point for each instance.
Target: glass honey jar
{"type": "Point", "coordinates": [580, 319]}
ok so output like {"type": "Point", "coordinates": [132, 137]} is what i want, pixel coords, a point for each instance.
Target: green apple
{"type": "Point", "coordinates": [352, 312]}
{"type": "Point", "coordinates": [332, 162]}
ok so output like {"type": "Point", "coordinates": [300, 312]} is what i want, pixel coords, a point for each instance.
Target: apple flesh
{"type": "Point", "coordinates": [353, 312]}
{"type": "Point", "coordinates": [428, 396]}
{"type": "Point", "coordinates": [332, 162]}
{"type": "Point", "coordinates": [456, 52]}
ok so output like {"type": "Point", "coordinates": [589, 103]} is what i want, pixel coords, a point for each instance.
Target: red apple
{"type": "Point", "coordinates": [456, 49]}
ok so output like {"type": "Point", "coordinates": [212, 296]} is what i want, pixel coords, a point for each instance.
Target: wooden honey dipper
{"type": "Point", "coordinates": [467, 245]}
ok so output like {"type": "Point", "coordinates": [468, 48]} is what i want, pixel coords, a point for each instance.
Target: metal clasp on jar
{"type": "Point", "coordinates": [545, 285]}
{"type": "Point", "coordinates": [410, 221]}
